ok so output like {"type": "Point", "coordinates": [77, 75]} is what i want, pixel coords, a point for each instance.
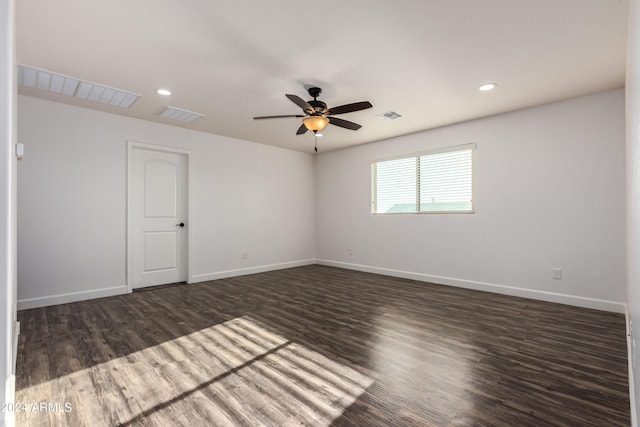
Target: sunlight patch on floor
{"type": "Point", "coordinates": [235, 373]}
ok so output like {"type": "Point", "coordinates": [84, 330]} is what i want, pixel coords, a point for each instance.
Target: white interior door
{"type": "Point", "coordinates": [158, 216]}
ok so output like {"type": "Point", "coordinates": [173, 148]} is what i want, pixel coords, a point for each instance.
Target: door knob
{"type": "Point", "coordinates": [181, 224]}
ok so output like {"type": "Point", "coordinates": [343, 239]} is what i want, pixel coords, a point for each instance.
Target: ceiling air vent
{"type": "Point", "coordinates": [179, 114]}
{"type": "Point", "coordinates": [70, 86]}
{"type": "Point", "coordinates": [390, 115]}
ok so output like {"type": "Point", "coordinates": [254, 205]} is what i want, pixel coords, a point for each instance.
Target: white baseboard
{"type": "Point", "coordinates": [196, 278]}
{"type": "Point", "coordinates": [7, 418]}
{"type": "Point", "coordinates": [27, 303]}
{"type": "Point", "coordinates": [45, 301]}
{"type": "Point", "coordinates": [632, 391]}
{"type": "Point", "coordinates": [613, 306]}
{"type": "Point", "coordinates": [14, 349]}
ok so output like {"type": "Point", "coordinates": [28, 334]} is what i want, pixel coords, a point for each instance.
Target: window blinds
{"type": "Point", "coordinates": [437, 181]}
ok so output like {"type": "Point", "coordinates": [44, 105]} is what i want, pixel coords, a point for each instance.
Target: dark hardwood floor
{"type": "Point", "coordinates": [321, 346]}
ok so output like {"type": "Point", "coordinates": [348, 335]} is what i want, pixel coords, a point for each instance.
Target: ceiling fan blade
{"type": "Point", "coordinates": [301, 103]}
{"type": "Point", "coordinates": [277, 117]}
{"type": "Point", "coordinates": [302, 129]}
{"type": "Point", "coordinates": [344, 123]}
{"type": "Point", "coordinates": [349, 108]}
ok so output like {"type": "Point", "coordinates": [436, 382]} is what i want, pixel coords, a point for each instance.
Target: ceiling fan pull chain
{"type": "Point", "coordinates": [315, 137]}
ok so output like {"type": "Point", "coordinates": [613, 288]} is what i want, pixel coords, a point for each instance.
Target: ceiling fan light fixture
{"type": "Point", "coordinates": [315, 123]}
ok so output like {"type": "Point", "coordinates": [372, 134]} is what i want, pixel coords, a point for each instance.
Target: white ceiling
{"type": "Point", "coordinates": [233, 60]}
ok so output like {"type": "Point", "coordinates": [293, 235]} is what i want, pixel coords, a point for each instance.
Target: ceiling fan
{"type": "Point", "coordinates": [317, 115]}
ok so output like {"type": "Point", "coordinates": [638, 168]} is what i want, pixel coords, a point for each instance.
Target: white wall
{"type": "Point", "coordinates": [550, 193]}
{"type": "Point", "coordinates": [7, 209]}
{"type": "Point", "coordinates": [633, 201]}
{"type": "Point", "coordinates": [72, 205]}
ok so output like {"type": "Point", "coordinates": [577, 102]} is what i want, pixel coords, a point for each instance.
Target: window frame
{"type": "Point", "coordinates": [462, 147]}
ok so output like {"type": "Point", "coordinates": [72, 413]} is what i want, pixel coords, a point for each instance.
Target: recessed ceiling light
{"type": "Point", "coordinates": [163, 92]}
{"type": "Point", "coordinates": [488, 86]}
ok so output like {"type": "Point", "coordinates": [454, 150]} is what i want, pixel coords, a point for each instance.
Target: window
{"type": "Point", "coordinates": [434, 181]}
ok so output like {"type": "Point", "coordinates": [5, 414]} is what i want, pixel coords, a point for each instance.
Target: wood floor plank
{"type": "Point", "coordinates": [321, 346]}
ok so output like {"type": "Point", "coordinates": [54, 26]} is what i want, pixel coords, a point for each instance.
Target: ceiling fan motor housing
{"type": "Point", "coordinates": [319, 106]}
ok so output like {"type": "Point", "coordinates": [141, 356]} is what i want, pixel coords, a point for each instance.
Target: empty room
{"type": "Point", "coordinates": [364, 213]}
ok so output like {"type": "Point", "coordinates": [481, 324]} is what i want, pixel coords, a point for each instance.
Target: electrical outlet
{"type": "Point", "coordinates": [350, 251]}
{"type": "Point", "coordinates": [556, 273]}
{"type": "Point", "coordinates": [19, 151]}
{"type": "Point", "coordinates": [245, 255]}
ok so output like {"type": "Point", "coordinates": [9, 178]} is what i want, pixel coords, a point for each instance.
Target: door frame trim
{"type": "Point", "coordinates": [131, 145]}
